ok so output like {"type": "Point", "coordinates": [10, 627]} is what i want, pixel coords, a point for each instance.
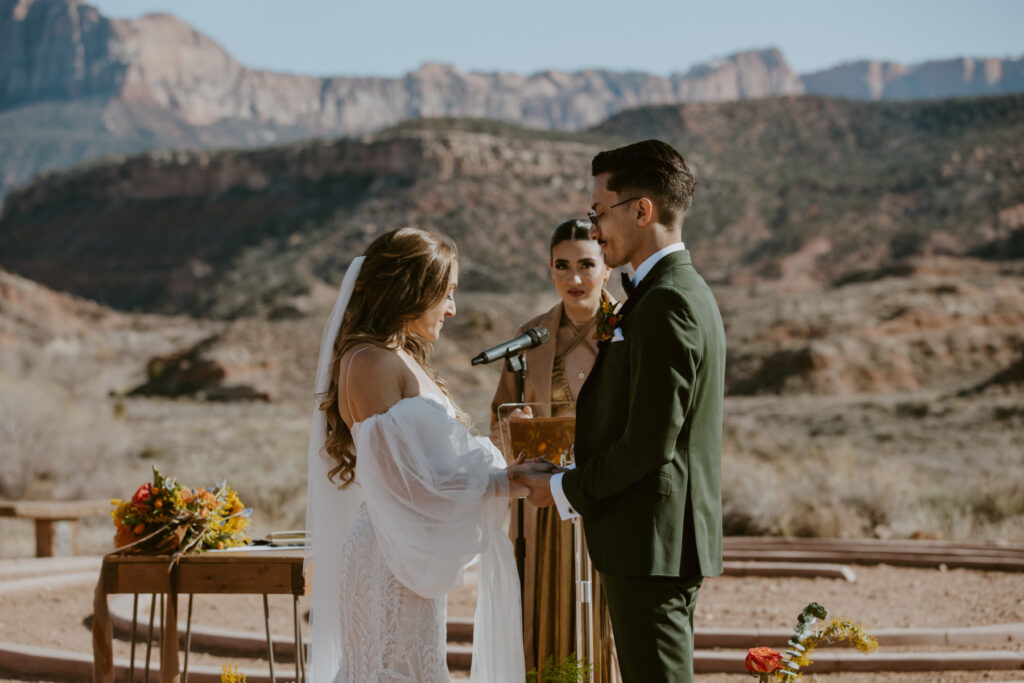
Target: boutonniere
{"type": "Point", "coordinates": [607, 319]}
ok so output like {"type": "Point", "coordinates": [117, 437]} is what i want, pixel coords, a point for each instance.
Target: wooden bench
{"type": "Point", "coordinates": [56, 521]}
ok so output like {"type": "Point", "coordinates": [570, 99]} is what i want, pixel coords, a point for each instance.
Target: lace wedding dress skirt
{"type": "Point", "coordinates": [389, 633]}
{"type": "Point", "coordinates": [436, 499]}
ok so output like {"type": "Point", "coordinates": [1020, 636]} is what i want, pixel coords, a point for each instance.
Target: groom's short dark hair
{"type": "Point", "coordinates": [654, 169]}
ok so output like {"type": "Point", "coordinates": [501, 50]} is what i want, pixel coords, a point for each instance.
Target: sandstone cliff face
{"type": "Point", "coordinates": [864, 80]}
{"type": "Point", "coordinates": [75, 85]}
{"type": "Point", "coordinates": [56, 50]}
{"type": "Point", "coordinates": [962, 77]}
{"type": "Point", "coordinates": [62, 49]}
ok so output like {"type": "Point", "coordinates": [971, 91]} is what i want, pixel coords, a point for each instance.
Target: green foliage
{"type": "Point", "coordinates": [569, 670]}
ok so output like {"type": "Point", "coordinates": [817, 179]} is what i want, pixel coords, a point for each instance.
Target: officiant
{"type": "Point", "coordinates": [556, 371]}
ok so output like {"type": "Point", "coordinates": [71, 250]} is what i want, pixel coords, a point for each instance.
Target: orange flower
{"type": "Point", "coordinates": [187, 496]}
{"type": "Point", "coordinates": [123, 537]}
{"type": "Point", "coordinates": [763, 660]}
{"type": "Point", "coordinates": [139, 528]}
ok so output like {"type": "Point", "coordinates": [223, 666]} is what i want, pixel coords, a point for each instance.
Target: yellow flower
{"type": "Point", "coordinates": [231, 674]}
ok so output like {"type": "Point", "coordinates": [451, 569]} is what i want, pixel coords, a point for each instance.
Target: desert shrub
{"type": "Point", "coordinates": [55, 446]}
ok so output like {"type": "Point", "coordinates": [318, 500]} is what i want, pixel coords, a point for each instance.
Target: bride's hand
{"type": "Point", "coordinates": [515, 488]}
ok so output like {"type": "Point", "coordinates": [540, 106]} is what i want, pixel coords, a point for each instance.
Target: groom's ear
{"type": "Point", "coordinates": [644, 212]}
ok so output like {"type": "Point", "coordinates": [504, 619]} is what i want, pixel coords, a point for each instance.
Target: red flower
{"type": "Point", "coordinates": [763, 660]}
{"type": "Point", "coordinates": [143, 495]}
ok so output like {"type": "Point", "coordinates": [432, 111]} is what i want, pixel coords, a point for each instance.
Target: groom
{"type": "Point", "coordinates": [648, 448]}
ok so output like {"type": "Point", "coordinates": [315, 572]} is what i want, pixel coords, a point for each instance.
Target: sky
{"type": "Point", "coordinates": [391, 38]}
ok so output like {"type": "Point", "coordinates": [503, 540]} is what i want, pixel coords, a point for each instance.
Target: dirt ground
{"type": "Point", "coordinates": [881, 597]}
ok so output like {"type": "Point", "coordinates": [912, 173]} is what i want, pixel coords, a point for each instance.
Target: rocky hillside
{"type": "Point", "coordinates": [793, 194]}
{"type": "Point", "coordinates": [76, 86]}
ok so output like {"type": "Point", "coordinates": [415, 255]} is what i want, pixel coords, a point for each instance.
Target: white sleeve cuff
{"type": "Point", "coordinates": [565, 510]}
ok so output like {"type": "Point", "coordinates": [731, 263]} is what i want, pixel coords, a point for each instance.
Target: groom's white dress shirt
{"type": "Point", "coordinates": [565, 510]}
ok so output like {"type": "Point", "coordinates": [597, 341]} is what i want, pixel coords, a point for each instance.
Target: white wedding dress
{"type": "Point", "coordinates": [430, 500]}
{"type": "Point", "coordinates": [436, 499]}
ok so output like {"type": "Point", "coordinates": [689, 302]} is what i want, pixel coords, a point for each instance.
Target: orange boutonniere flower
{"type": "Point", "coordinates": [607, 319]}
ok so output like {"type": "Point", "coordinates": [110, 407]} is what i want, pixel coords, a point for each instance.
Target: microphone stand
{"type": "Point", "coordinates": [517, 364]}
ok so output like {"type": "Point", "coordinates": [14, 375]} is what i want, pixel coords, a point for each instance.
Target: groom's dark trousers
{"type": "Point", "coordinates": [648, 467]}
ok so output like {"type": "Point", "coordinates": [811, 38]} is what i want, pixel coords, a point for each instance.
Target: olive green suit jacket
{"type": "Point", "coordinates": [649, 432]}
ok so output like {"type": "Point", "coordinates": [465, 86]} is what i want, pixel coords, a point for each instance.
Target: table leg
{"type": "Point", "coordinates": [188, 637]}
{"type": "Point", "coordinates": [300, 655]}
{"type": "Point", "coordinates": [135, 624]}
{"type": "Point", "coordinates": [169, 664]}
{"type": "Point", "coordinates": [270, 643]}
{"type": "Point", "coordinates": [149, 642]}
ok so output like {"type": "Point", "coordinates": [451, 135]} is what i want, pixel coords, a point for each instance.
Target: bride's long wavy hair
{"type": "Point", "coordinates": [406, 273]}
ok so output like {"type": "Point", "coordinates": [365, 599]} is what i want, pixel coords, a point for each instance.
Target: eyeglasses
{"type": "Point", "coordinates": [593, 216]}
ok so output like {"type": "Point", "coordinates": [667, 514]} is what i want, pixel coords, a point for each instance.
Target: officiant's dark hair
{"type": "Point", "coordinates": [575, 230]}
{"type": "Point", "coordinates": [653, 169]}
{"type": "Point", "coordinates": [406, 273]}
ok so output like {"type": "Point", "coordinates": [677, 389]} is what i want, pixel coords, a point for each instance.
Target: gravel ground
{"type": "Point", "coordinates": [881, 597]}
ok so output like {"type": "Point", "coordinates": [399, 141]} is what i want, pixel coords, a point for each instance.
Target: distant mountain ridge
{"type": "Point", "coordinates": [76, 85]}
{"type": "Point", "coordinates": [879, 80]}
{"type": "Point", "coordinates": [793, 193]}
{"type": "Point", "coordinates": [65, 49]}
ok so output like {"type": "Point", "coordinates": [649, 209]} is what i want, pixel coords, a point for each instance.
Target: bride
{"type": "Point", "coordinates": [402, 497]}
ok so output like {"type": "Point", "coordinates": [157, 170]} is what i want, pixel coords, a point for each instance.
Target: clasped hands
{"type": "Point", "coordinates": [529, 478]}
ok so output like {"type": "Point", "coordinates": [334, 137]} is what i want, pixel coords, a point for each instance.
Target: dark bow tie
{"type": "Point", "coordinates": [627, 283]}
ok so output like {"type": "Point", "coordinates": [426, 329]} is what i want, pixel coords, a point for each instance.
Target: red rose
{"type": "Point", "coordinates": [143, 494]}
{"type": "Point", "coordinates": [763, 660]}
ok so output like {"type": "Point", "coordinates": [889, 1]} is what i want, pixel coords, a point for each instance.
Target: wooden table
{"type": "Point", "coordinates": [265, 572]}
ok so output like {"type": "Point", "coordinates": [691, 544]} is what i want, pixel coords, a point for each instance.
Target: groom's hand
{"type": "Point", "coordinates": [539, 485]}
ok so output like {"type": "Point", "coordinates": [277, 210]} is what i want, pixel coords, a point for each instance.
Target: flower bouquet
{"type": "Point", "coordinates": [164, 517]}
{"type": "Point", "coordinates": [770, 665]}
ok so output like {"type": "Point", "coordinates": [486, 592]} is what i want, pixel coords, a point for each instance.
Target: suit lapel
{"type": "Point", "coordinates": [659, 269]}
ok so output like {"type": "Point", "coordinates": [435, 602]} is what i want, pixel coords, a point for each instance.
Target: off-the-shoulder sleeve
{"type": "Point", "coordinates": [431, 489]}
{"type": "Point", "coordinates": [438, 498]}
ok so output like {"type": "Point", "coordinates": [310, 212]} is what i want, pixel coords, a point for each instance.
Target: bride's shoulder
{"type": "Point", "coordinates": [369, 355]}
{"type": "Point", "coordinates": [374, 364]}
{"type": "Point", "coordinates": [373, 379]}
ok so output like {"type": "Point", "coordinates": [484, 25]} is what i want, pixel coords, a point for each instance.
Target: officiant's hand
{"type": "Point", "coordinates": [524, 413]}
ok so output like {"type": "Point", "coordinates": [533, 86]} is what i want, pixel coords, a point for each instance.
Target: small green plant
{"type": "Point", "coordinates": [569, 670]}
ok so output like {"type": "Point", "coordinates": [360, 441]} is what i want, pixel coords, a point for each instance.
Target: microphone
{"type": "Point", "coordinates": [534, 336]}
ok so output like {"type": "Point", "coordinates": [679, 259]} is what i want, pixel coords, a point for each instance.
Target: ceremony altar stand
{"type": "Point", "coordinates": [263, 572]}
